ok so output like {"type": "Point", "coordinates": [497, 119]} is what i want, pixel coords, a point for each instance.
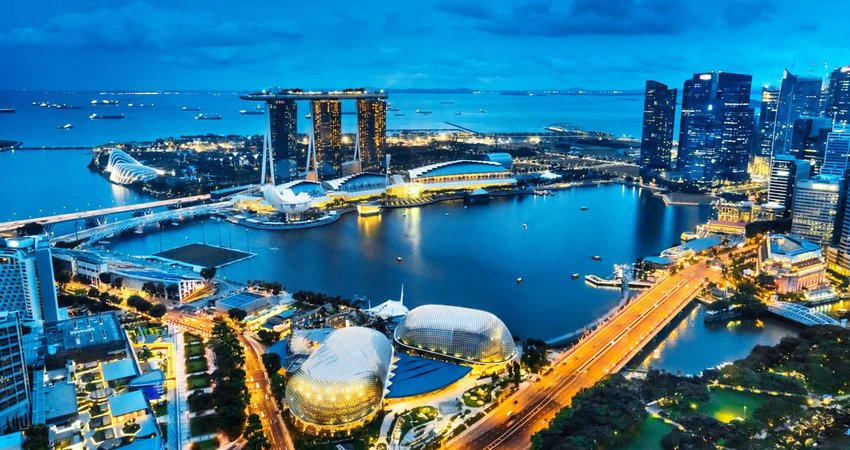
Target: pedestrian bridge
{"type": "Point", "coordinates": [800, 314]}
{"type": "Point", "coordinates": [92, 235]}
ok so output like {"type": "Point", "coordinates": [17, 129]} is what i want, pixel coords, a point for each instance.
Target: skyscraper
{"type": "Point", "coordinates": [837, 104]}
{"type": "Point", "coordinates": [372, 129]}
{"type": "Point", "coordinates": [26, 279]}
{"type": "Point", "coordinates": [816, 205]}
{"type": "Point", "coordinates": [785, 172]}
{"type": "Point", "coordinates": [14, 391]}
{"type": "Point", "coordinates": [835, 159]}
{"type": "Point", "coordinates": [767, 119]}
{"type": "Point", "coordinates": [659, 114]}
{"type": "Point", "coordinates": [327, 131]}
{"type": "Point", "coordinates": [716, 130]}
{"type": "Point", "coordinates": [798, 97]}
{"type": "Point", "coordinates": [808, 140]}
{"type": "Point", "coordinates": [283, 120]}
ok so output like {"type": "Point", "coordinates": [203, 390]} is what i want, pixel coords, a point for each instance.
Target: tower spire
{"type": "Point", "coordinates": [268, 158]}
{"type": "Point", "coordinates": [401, 297]}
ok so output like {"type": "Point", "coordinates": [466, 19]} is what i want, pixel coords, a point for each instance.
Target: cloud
{"type": "Point", "coordinates": [466, 9]}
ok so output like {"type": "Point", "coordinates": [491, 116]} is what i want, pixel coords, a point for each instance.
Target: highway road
{"type": "Point", "coordinates": [15, 224]}
{"type": "Point", "coordinates": [604, 351]}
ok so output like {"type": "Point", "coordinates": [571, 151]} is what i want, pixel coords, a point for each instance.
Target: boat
{"type": "Point", "coordinates": [482, 111]}
{"type": "Point", "coordinates": [575, 276]}
{"type": "Point", "coordinates": [258, 111]}
{"type": "Point", "coordinates": [519, 280]}
{"type": "Point", "coordinates": [106, 116]}
{"type": "Point", "coordinates": [400, 114]}
{"type": "Point", "coordinates": [7, 110]}
{"type": "Point", "coordinates": [64, 106]}
{"type": "Point", "coordinates": [104, 102]}
{"type": "Point", "coordinates": [525, 226]}
{"type": "Point", "coordinates": [190, 108]}
{"type": "Point", "coordinates": [583, 208]}
{"type": "Point", "coordinates": [308, 116]}
{"type": "Point", "coordinates": [208, 117]}
{"type": "Point", "coordinates": [399, 259]}
{"type": "Point", "coordinates": [394, 108]}
{"type": "Point", "coordinates": [67, 126]}
{"type": "Point", "coordinates": [596, 258]}
{"type": "Point", "coordinates": [422, 111]}
{"type": "Point", "coordinates": [542, 192]}
{"type": "Point", "coordinates": [368, 210]}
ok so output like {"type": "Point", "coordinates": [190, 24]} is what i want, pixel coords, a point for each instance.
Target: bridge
{"type": "Point", "coordinates": [96, 216]}
{"type": "Point", "coordinates": [91, 235]}
{"type": "Point", "coordinates": [800, 314]}
{"type": "Point", "coordinates": [604, 351]}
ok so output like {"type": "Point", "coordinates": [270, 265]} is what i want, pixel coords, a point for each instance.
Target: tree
{"type": "Point", "coordinates": [172, 290]}
{"type": "Point", "coordinates": [105, 278]}
{"type": "Point", "coordinates": [94, 292]}
{"type": "Point", "coordinates": [117, 282]}
{"type": "Point", "coordinates": [268, 337]}
{"type": "Point", "coordinates": [37, 437]}
{"type": "Point", "coordinates": [254, 437]}
{"type": "Point", "coordinates": [62, 277]}
{"type": "Point", "coordinates": [149, 287]}
{"type": "Point", "coordinates": [208, 273]}
{"type": "Point", "coordinates": [271, 361]}
{"type": "Point", "coordinates": [237, 314]}
{"type": "Point", "coordinates": [157, 311]}
{"type": "Point", "coordinates": [31, 229]}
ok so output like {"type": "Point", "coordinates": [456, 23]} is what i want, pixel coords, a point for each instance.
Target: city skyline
{"type": "Point", "coordinates": [532, 45]}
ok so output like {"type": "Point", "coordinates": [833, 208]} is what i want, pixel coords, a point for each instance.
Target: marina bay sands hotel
{"type": "Point", "coordinates": [326, 114]}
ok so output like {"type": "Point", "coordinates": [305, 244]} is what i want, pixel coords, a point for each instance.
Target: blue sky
{"type": "Point", "coordinates": [533, 44]}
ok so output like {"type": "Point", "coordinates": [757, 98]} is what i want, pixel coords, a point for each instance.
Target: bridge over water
{"type": "Point", "coordinates": [800, 314]}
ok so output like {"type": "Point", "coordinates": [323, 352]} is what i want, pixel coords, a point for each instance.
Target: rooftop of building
{"type": "Point", "coordinates": [414, 375]}
{"type": "Point", "coordinates": [127, 403]}
{"type": "Point", "coordinates": [299, 94]}
{"type": "Point", "coordinates": [60, 400]}
{"type": "Point", "coordinates": [790, 245]}
{"type": "Point", "coordinates": [116, 370]}
{"type": "Point", "coordinates": [12, 440]}
{"type": "Point", "coordinates": [459, 167]}
{"type": "Point", "coordinates": [240, 300]}
{"type": "Point", "coordinates": [342, 183]}
{"type": "Point", "coordinates": [80, 332]}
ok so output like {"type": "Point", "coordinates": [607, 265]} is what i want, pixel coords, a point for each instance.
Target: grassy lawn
{"type": "Point", "coordinates": [199, 426]}
{"type": "Point", "coordinates": [191, 338]}
{"type": "Point", "coordinates": [153, 330]}
{"type": "Point", "coordinates": [210, 444]}
{"type": "Point", "coordinates": [727, 405]}
{"type": "Point", "coordinates": [196, 365]}
{"type": "Point", "coordinates": [195, 350]}
{"type": "Point", "coordinates": [649, 436]}
{"type": "Point", "coordinates": [198, 381]}
{"type": "Point", "coordinates": [477, 396]}
{"type": "Point", "coordinates": [418, 416]}
{"type": "Point", "coordinates": [161, 409]}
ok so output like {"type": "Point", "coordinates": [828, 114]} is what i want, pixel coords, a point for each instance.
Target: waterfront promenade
{"type": "Point", "coordinates": [604, 351]}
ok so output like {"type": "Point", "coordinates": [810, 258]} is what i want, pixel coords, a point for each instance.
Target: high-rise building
{"type": "Point", "coordinates": [283, 120]}
{"type": "Point", "coordinates": [808, 140]}
{"type": "Point", "coordinates": [26, 279]}
{"type": "Point", "coordinates": [797, 97]}
{"type": "Point", "coordinates": [372, 130]}
{"type": "Point", "coordinates": [835, 158]}
{"type": "Point", "coordinates": [327, 132]}
{"type": "Point", "coordinates": [837, 102]}
{"type": "Point", "coordinates": [14, 391]}
{"type": "Point", "coordinates": [659, 114]}
{"type": "Point", "coordinates": [816, 206]}
{"type": "Point", "coordinates": [785, 171]}
{"type": "Point", "coordinates": [716, 130]}
{"type": "Point", "coordinates": [767, 119]}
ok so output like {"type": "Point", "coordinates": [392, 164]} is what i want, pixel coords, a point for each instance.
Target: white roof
{"type": "Point", "coordinates": [389, 309]}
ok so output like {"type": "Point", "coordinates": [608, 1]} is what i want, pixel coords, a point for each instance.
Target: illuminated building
{"type": "Point", "coordinates": [283, 122]}
{"type": "Point", "coordinates": [124, 169]}
{"type": "Point", "coordinates": [837, 154]}
{"type": "Point", "coordinates": [372, 130]}
{"type": "Point", "coordinates": [837, 104]}
{"type": "Point", "coordinates": [808, 140]}
{"type": "Point", "coordinates": [467, 335]}
{"type": "Point", "coordinates": [342, 384]}
{"type": "Point", "coordinates": [785, 171]}
{"type": "Point", "coordinates": [815, 208]}
{"type": "Point", "coordinates": [794, 263]}
{"type": "Point", "coordinates": [659, 114]}
{"type": "Point", "coordinates": [26, 279]}
{"type": "Point", "coordinates": [767, 119]}
{"type": "Point", "coordinates": [460, 175]}
{"type": "Point", "coordinates": [797, 97]}
{"type": "Point", "coordinates": [327, 129]}
{"type": "Point", "coordinates": [14, 391]}
{"type": "Point", "coordinates": [716, 128]}
{"type": "Point", "coordinates": [357, 186]}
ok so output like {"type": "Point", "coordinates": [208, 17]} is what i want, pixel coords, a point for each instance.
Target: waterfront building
{"type": "Point", "coordinates": [505, 159]}
{"type": "Point", "coordinates": [26, 279]}
{"type": "Point", "coordinates": [83, 339]}
{"type": "Point", "coordinates": [283, 123]}
{"type": "Point", "coordinates": [471, 336]}
{"type": "Point", "coordinates": [794, 263]}
{"type": "Point", "coordinates": [124, 169]}
{"type": "Point", "coordinates": [342, 384]}
{"type": "Point", "coordinates": [744, 212]}
{"type": "Point", "coordinates": [327, 130]}
{"type": "Point", "coordinates": [716, 129]}
{"type": "Point", "coordinates": [185, 285]}
{"type": "Point", "coordinates": [459, 175]}
{"type": "Point", "coordinates": [837, 152]}
{"type": "Point", "coordinates": [816, 205]}
{"type": "Point", "coordinates": [359, 186]}
{"type": "Point", "coordinates": [839, 255]}
{"type": "Point", "coordinates": [785, 171]}
{"type": "Point", "coordinates": [659, 114]}
{"type": "Point", "coordinates": [372, 131]}
{"type": "Point", "coordinates": [808, 140]}
{"type": "Point", "coordinates": [14, 389]}
{"type": "Point", "coordinates": [837, 102]}
{"type": "Point", "coordinates": [798, 97]}
{"type": "Point", "coordinates": [767, 119]}
{"type": "Point", "coordinates": [247, 301]}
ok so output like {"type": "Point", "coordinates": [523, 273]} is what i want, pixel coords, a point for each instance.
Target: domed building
{"type": "Point", "coordinates": [342, 384]}
{"type": "Point", "coordinates": [467, 335]}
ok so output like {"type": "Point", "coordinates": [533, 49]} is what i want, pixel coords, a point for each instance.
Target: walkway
{"type": "Point", "coordinates": [800, 314]}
